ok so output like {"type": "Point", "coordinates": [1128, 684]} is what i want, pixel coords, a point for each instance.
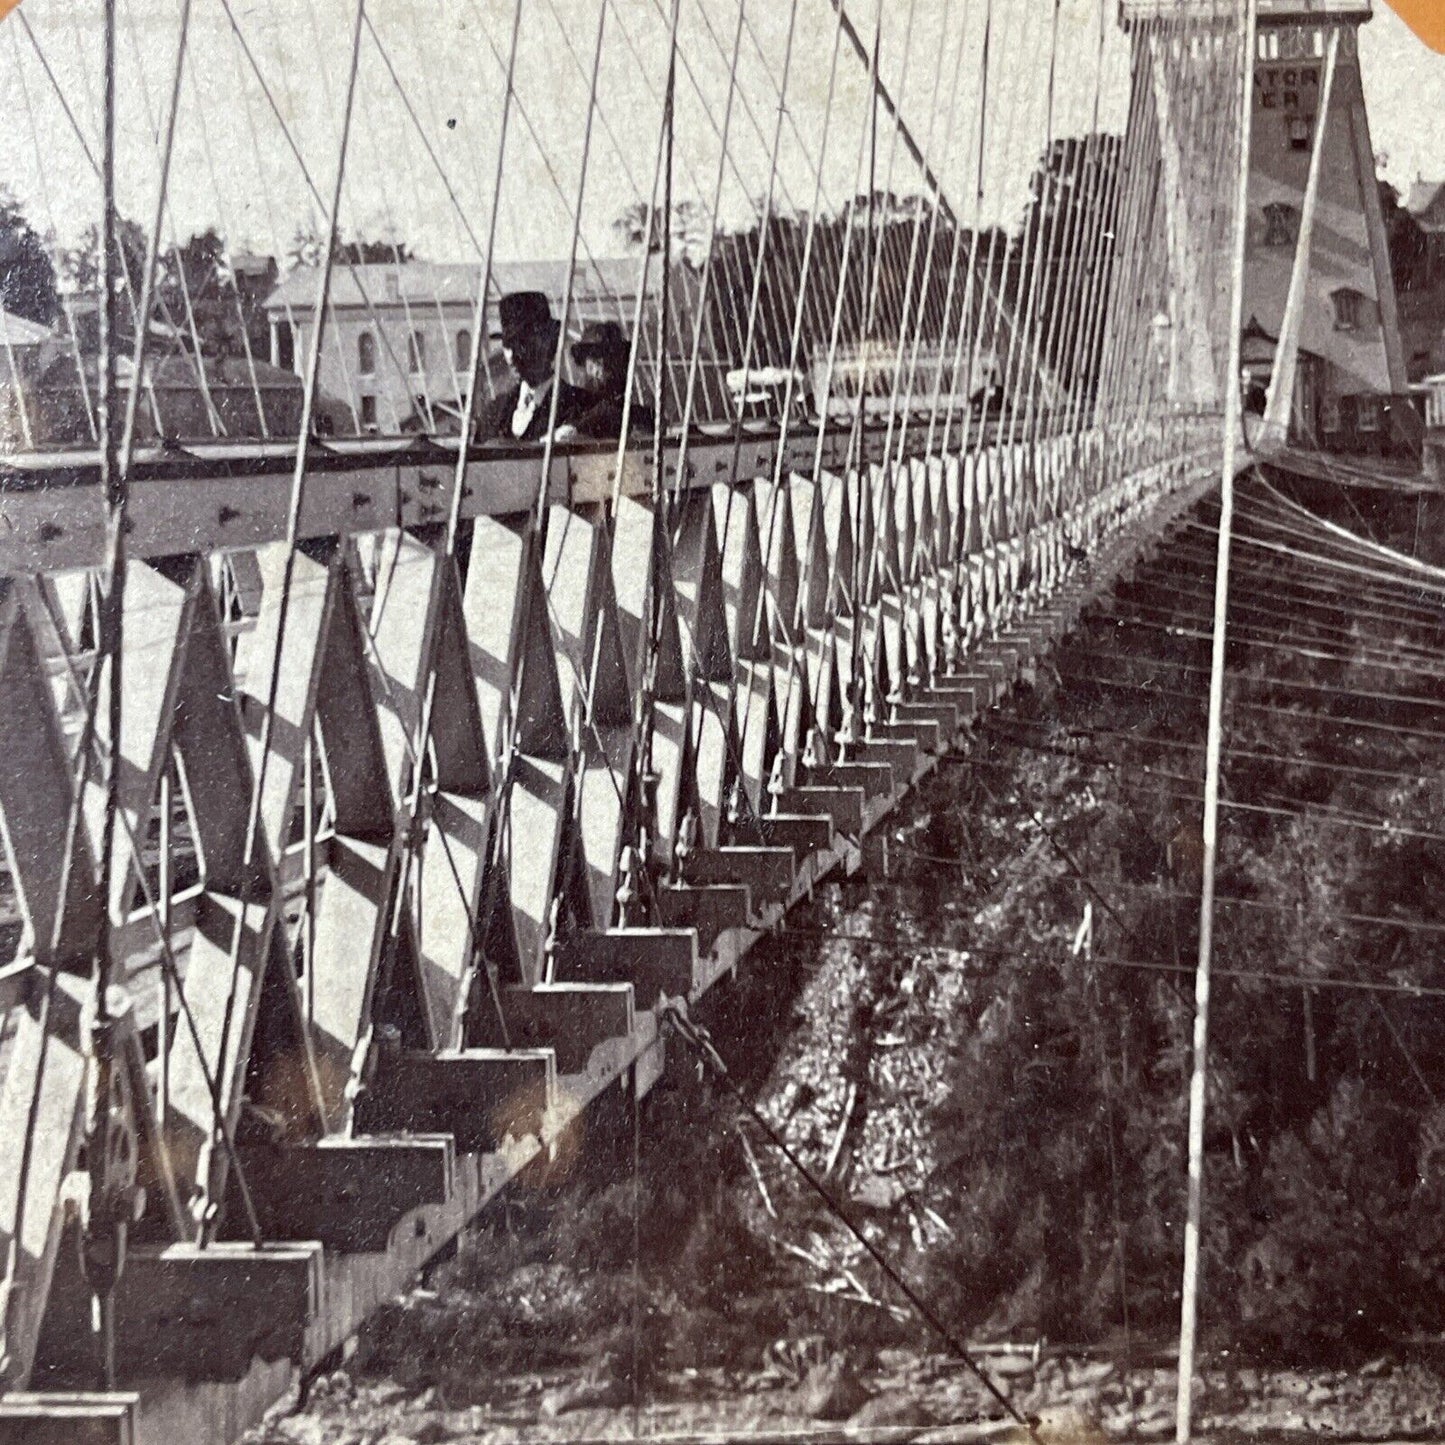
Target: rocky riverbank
{"type": "Point", "coordinates": [896, 1396]}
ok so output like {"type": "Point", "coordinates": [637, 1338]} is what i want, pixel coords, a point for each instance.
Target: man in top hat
{"type": "Point", "coordinates": [521, 411]}
{"type": "Point", "coordinates": [601, 353]}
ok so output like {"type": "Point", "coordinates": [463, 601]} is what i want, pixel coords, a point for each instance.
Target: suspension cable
{"type": "Point", "coordinates": [1214, 746]}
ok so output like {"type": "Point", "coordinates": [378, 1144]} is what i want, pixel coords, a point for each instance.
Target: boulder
{"type": "Point", "coordinates": [1068, 1425]}
{"type": "Point", "coordinates": [1010, 1366]}
{"type": "Point", "coordinates": [893, 1410]}
{"type": "Point", "coordinates": [876, 1191]}
{"type": "Point", "coordinates": [587, 1394]}
{"type": "Point", "coordinates": [831, 1391]}
{"type": "Point", "coordinates": [1090, 1374]}
{"type": "Point", "coordinates": [977, 1432]}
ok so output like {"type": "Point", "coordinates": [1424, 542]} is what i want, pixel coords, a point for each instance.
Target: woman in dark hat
{"type": "Point", "coordinates": [601, 353]}
{"type": "Point", "coordinates": [521, 410]}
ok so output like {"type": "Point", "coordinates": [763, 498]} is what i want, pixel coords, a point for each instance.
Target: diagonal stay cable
{"type": "Point", "coordinates": [1289, 980]}
{"type": "Point", "coordinates": [426, 140]}
{"type": "Point", "coordinates": [353, 268]}
{"type": "Point", "coordinates": [1052, 839]}
{"type": "Point", "coordinates": [1099, 763]}
{"type": "Point", "coordinates": [698, 1041]}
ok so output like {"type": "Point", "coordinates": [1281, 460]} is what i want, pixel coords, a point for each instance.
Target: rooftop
{"type": "Point", "coordinates": [448, 283]}
{"type": "Point", "coordinates": [251, 263]}
{"type": "Point", "coordinates": [179, 371]}
{"type": "Point", "coordinates": [1426, 203]}
{"type": "Point", "coordinates": [17, 331]}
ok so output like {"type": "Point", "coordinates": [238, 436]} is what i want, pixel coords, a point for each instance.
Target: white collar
{"type": "Point", "coordinates": [529, 398]}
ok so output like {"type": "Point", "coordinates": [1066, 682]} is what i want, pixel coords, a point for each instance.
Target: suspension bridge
{"type": "Point", "coordinates": [374, 782]}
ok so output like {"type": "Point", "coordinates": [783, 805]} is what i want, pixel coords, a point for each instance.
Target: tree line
{"type": "Point", "coordinates": [884, 249]}
{"type": "Point", "coordinates": [879, 251]}
{"type": "Point", "coordinates": [207, 298]}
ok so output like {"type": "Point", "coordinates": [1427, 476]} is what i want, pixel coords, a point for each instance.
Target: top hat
{"type": "Point", "coordinates": [523, 312]}
{"type": "Point", "coordinates": [600, 338]}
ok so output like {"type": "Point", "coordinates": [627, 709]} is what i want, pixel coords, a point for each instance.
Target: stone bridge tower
{"type": "Point", "coordinates": [1322, 353]}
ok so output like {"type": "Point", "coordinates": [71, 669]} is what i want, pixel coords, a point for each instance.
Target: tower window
{"type": "Point", "coordinates": [1300, 129]}
{"type": "Point", "coordinates": [368, 413]}
{"type": "Point", "coordinates": [464, 350]}
{"type": "Point", "coordinates": [1349, 309]}
{"type": "Point", "coordinates": [1281, 224]}
{"type": "Point", "coordinates": [366, 353]}
{"type": "Point", "coordinates": [416, 353]}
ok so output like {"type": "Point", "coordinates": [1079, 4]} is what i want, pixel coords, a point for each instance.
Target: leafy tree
{"type": "Point", "coordinates": [305, 249]}
{"type": "Point", "coordinates": [228, 309]}
{"type": "Point", "coordinates": [373, 253]}
{"type": "Point", "coordinates": [1409, 250]}
{"type": "Point", "coordinates": [27, 274]}
{"type": "Point", "coordinates": [1325, 1141]}
{"type": "Point", "coordinates": [80, 265]}
{"type": "Point", "coordinates": [308, 245]}
{"type": "Point", "coordinates": [691, 229]}
{"type": "Point", "coordinates": [1065, 255]}
{"type": "Point", "coordinates": [876, 252]}
{"type": "Point", "coordinates": [194, 288]}
{"type": "Point", "coordinates": [79, 268]}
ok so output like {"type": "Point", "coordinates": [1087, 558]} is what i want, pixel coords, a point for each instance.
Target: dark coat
{"type": "Point", "coordinates": [494, 422]}
{"type": "Point", "coordinates": [601, 418]}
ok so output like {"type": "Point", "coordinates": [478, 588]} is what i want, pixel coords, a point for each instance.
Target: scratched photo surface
{"type": "Point", "coordinates": [721, 720]}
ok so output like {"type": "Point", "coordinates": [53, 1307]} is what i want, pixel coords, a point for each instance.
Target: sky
{"type": "Point", "coordinates": [423, 153]}
{"type": "Point", "coordinates": [1405, 94]}
{"type": "Point", "coordinates": [257, 132]}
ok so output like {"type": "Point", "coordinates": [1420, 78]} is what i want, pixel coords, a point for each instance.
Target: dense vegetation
{"type": "Point", "coordinates": [1326, 1143]}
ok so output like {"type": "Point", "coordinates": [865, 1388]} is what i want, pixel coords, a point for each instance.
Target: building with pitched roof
{"type": "Point", "coordinates": [182, 400]}
{"type": "Point", "coordinates": [398, 343]}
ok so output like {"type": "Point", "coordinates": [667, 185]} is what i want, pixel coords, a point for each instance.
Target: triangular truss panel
{"type": "Point", "coordinates": [433, 738]}
{"type": "Point", "coordinates": [644, 584]}
{"type": "Point", "coordinates": [885, 636]}
{"type": "Point", "coordinates": [926, 481]}
{"type": "Point", "coordinates": [55, 884]}
{"type": "Point", "coordinates": [309, 666]}
{"type": "Point", "coordinates": [520, 697]}
{"type": "Point", "coordinates": [703, 631]}
{"type": "Point", "coordinates": [43, 1065]}
{"type": "Point", "coordinates": [744, 600]}
{"type": "Point", "coordinates": [783, 573]}
{"type": "Point", "coordinates": [816, 614]}
{"type": "Point", "coordinates": [592, 663]}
